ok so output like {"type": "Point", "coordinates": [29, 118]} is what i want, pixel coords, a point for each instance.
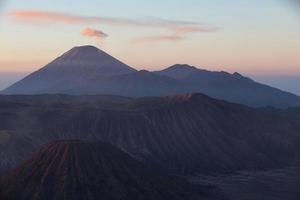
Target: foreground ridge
{"type": "Point", "coordinates": [79, 170]}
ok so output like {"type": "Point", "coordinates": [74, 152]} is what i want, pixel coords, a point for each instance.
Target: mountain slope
{"type": "Point", "coordinates": [276, 184]}
{"type": "Point", "coordinates": [184, 133]}
{"type": "Point", "coordinates": [80, 170]}
{"type": "Point", "coordinates": [231, 87]}
{"type": "Point", "coordinates": [136, 84]}
{"type": "Point", "coordinates": [87, 70]}
{"type": "Point", "coordinates": [70, 70]}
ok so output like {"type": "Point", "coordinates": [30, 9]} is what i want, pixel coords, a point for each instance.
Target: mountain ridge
{"type": "Point", "coordinates": [82, 170]}
{"type": "Point", "coordinates": [87, 70]}
{"type": "Point", "coordinates": [69, 70]}
{"type": "Point", "coordinates": [188, 133]}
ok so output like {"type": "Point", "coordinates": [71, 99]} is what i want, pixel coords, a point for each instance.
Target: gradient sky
{"type": "Point", "coordinates": [248, 36]}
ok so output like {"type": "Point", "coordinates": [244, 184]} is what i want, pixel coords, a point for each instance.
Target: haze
{"type": "Point", "coordinates": [251, 37]}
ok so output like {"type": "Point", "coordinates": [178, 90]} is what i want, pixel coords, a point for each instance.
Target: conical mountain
{"type": "Point", "coordinates": [87, 70]}
{"type": "Point", "coordinates": [72, 69]}
{"type": "Point", "coordinates": [81, 170]}
{"type": "Point", "coordinates": [89, 59]}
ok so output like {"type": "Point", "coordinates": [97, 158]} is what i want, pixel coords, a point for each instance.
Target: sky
{"type": "Point", "coordinates": [253, 37]}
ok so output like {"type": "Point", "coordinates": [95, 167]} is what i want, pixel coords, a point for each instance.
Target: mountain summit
{"type": "Point", "coordinates": [87, 70]}
{"type": "Point", "coordinates": [69, 71]}
{"type": "Point", "coordinates": [90, 58]}
{"type": "Point", "coordinates": [81, 170]}
{"type": "Point", "coordinates": [230, 87]}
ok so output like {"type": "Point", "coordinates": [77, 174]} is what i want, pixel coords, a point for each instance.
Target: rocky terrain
{"type": "Point", "coordinates": [260, 185]}
{"type": "Point", "coordinates": [81, 170]}
{"type": "Point", "coordinates": [186, 134]}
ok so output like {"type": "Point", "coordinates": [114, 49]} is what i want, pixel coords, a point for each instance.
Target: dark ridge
{"type": "Point", "coordinates": [87, 70]}
{"type": "Point", "coordinates": [181, 67]}
{"type": "Point", "coordinates": [188, 97]}
{"type": "Point", "coordinates": [144, 71]}
{"type": "Point", "coordinates": [171, 100]}
{"type": "Point", "coordinates": [81, 170]}
{"type": "Point", "coordinates": [86, 48]}
{"type": "Point", "coordinates": [230, 87]}
{"type": "Point", "coordinates": [186, 134]}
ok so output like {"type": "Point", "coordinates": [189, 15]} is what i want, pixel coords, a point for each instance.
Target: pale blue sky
{"type": "Point", "coordinates": [254, 37]}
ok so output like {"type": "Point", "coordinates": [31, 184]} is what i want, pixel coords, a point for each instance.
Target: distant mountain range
{"type": "Point", "coordinates": [183, 134]}
{"type": "Point", "coordinates": [88, 70]}
{"type": "Point", "coordinates": [80, 170]}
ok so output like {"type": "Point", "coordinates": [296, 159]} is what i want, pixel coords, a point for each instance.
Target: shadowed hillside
{"type": "Point", "coordinates": [183, 133]}
{"type": "Point", "coordinates": [78, 170]}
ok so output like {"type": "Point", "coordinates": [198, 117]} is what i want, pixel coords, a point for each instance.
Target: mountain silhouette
{"type": "Point", "coordinates": [136, 84]}
{"type": "Point", "coordinates": [231, 87]}
{"type": "Point", "coordinates": [70, 70]}
{"type": "Point", "coordinates": [188, 133]}
{"type": "Point", "coordinates": [87, 70]}
{"type": "Point", "coordinates": [81, 170]}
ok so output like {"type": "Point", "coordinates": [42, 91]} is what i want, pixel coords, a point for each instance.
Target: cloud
{"type": "Point", "coordinates": [171, 38]}
{"type": "Point", "coordinates": [178, 33]}
{"type": "Point", "coordinates": [193, 29]}
{"type": "Point", "coordinates": [155, 21]}
{"type": "Point", "coordinates": [89, 32]}
{"type": "Point", "coordinates": [178, 29]}
{"type": "Point", "coordinates": [35, 16]}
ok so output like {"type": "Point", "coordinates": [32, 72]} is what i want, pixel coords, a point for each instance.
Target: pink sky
{"type": "Point", "coordinates": [248, 37]}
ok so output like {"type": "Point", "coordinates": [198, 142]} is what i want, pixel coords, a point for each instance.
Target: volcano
{"type": "Point", "coordinates": [80, 170]}
{"type": "Point", "coordinates": [87, 70]}
{"type": "Point", "coordinates": [188, 133]}
{"type": "Point", "coordinates": [71, 70]}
